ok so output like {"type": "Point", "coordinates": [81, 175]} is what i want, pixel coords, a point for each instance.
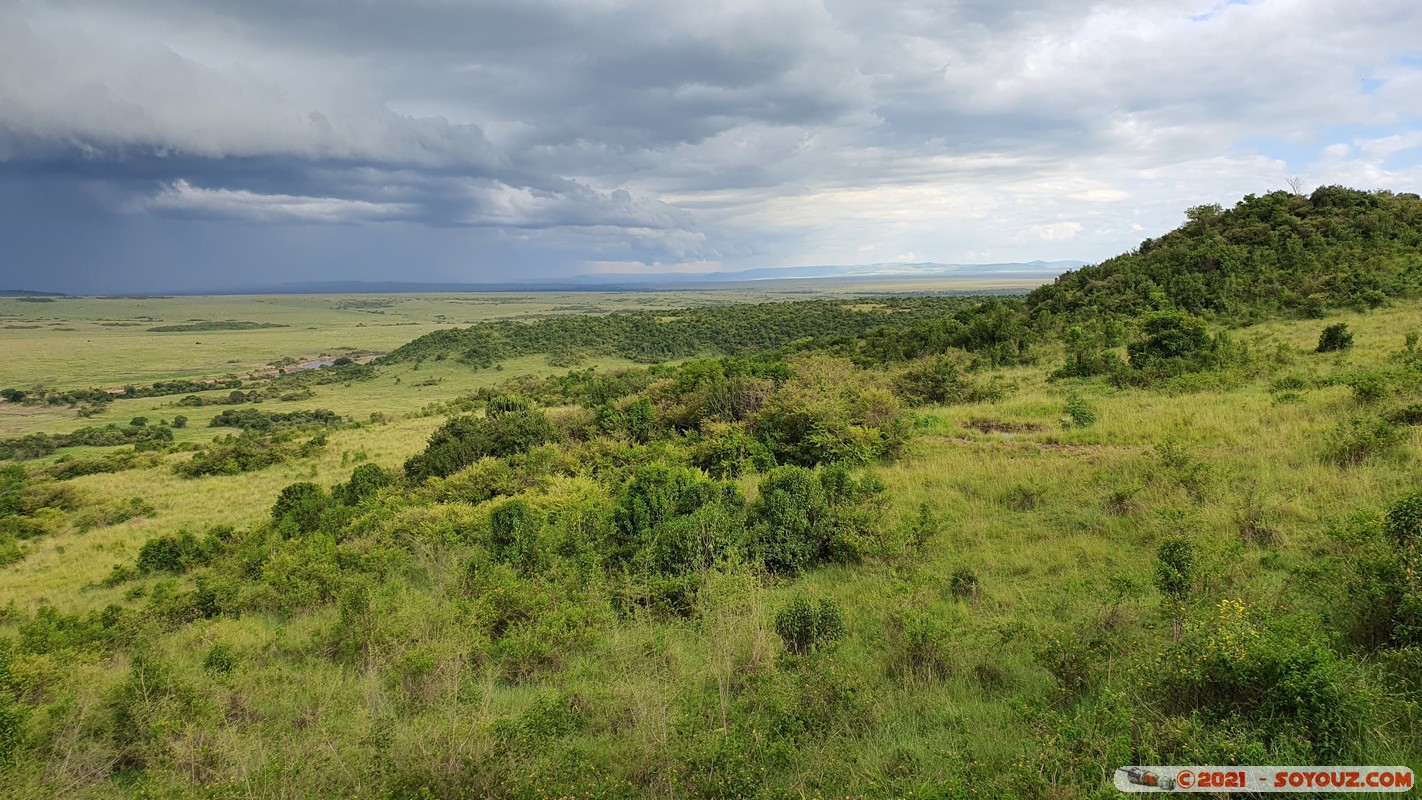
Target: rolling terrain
{"type": "Point", "coordinates": [1164, 510]}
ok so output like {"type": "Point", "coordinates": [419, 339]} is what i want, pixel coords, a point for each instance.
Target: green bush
{"type": "Point", "coordinates": [503, 404]}
{"type": "Point", "coordinates": [1404, 522]}
{"type": "Point", "coordinates": [801, 518]}
{"type": "Point", "coordinates": [1175, 568]}
{"type": "Point", "coordinates": [1273, 677]}
{"type": "Point", "coordinates": [1368, 387]}
{"type": "Point", "coordinates": [695, 542]}
{"type": "Point", "coordinates": [963, 583]}
{"type": "Point", "coordinates": [653, 495]}
{"type": "Point", "coordinates": [300, 504]}
{"type": "Point", "coordinates": [464, 440]}
{"type": "Point", "coordinates": [790, 519]}
{"type": "Point", "coordinates": [1408, 415]}
{"type": "Point", "coordinates": [917, 646]}
{"type": "Point", "coordinates": [1170, 337]}
{"type": "Point", "coordinates": [1334, 338]}
{"type": "Point", "coordinates": [1079, 412]}
{"type": "Point", "coordinates": [1358, 439]}
{"type": "Point", "coordinates": [514, 538]}
{"type": "Point", "coordinates": [938, 381]}
{"type": "Point", "coordinates": [176, 554]}
{"type": "Point", "coordinates": [13, 713]}
{"type": "Point", "coordinates": [804, 626]}
{"type": "Point", "coordinates": [221, 658]}
{"type": "Point", "coordinates": [731, 451]}
{"type": "Point", "coordinates": [365, 480]}
{"type": "Point", "coordinates": [10, 550]}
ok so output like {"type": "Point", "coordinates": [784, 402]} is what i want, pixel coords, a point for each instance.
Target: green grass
{"type": "Point", "coordinates": [81, 342]}
{"type": "Point", "coordinates": [1060, 526]}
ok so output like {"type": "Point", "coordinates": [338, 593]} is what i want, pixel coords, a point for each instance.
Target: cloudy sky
{"type": "Point", "coordinates": [150, 145]}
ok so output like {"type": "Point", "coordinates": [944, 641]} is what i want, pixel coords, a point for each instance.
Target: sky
{"type": "Point", "coordinates": [166, 145]}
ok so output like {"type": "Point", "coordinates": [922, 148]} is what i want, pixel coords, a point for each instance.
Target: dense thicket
{"type": "Point", "coordinates": [652, 336]}
{"type": "Point", "coordinates": [1279, 253]}
{"type": "Point", "coordinates": [37, 445]}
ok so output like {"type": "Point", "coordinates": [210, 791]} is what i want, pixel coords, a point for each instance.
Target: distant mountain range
{"type": "Point", "coordinates": [631, 282]}
{"type": "Point", "coordinates": [891, 270]}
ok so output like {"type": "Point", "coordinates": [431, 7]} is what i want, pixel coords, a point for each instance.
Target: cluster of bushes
{"type": "Point", "coordinates": [40, 396]}
{"type": "Point", "coordinates": [234, 455]}
{"type": "Point", "coordinates": [727, 417]}
{"type": "Point", "coordinates": [72, 397]}
{"type": "Point", "coordinates": [252, 419]}
{"type": "Point", "coordinates": [27, 510]}
{"type": "Point", "coordinates": [38, 445]}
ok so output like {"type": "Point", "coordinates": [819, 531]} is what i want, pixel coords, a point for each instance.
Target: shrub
{"type": "Point", "coordinates": [1175, 568]}
{"type": "Point", "coordinates": [1408, 415]}
{"type": "Point", "coordinates": [1368, 387]}
{"type": "Point", "coordinates": [180, 421]}
{"type": "Point", "coordinates": [937, 381]}
{"type": "Point", "coordinates": [790, 515]}
{"type": "Point", "coordinates": [1404, 521]}
{"type": "Point", "coordinates": [365, 480]}
{"type": "Point", "coordinates": [917, 646]}
{"type": "Point", "coordinates": [221, 658]}
{"type": "Point", "coordinates": [12, 713]}
{"type": "Point", "coordinates": [1170, 336]}
{"type": "Point", "coordinates": [730, 451]}
{"type": "Point", "coordinates": [503, 404]}
{"type": "Point", "coordinates": [514, 534]}
{"type": "Point", "coordinates": [10, 550]}
{"type": "Point", "coordinates": [1273, 678]}
{"type": "Point", "coordinates": [176, 554]}
{"type": "Point", "coordinates": [301, 504]}
{"type": "Point", "coordinates": [1088, 354]}
{"type": "Point", "coordinates": [1079, 412]}
{"type": "Point", "coordinates": [653, 495]}
{"type": "Point", "coordinates": [695, 542]}
{"type": "Point", "coordinates": [963, 583]}
{"type": "Point", "coordinates": [829, 411]}
{"type": "Point", "coordinates": [12, 488]}
{"type": "Point", "coordinates": [1358, 439]}
{"type": "Point", "coordinates": [463, 440]}
{"type": "Point", "coordinates": [804, 626]}
{"type": "Point", "coordinates": [1334, 338]}
{"type": "Point", "coordinates": [1192, 476]}
{"type": "Point", "coordinates": [138, 422]}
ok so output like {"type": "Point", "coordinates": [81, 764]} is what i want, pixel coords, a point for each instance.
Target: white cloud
{"type": "Point", "coordinates": [181, 197]}
{"type": "Point", "coordinates": [1057, 231]}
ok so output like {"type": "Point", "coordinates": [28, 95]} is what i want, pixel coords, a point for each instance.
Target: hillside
{"type": "Point", "coordinates": [1276, 254]}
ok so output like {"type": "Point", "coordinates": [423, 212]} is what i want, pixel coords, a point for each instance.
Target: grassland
{"type": "Point", "coordinates": [1058, 526]}
{"type": "Point", "coordinates": [80, 342]}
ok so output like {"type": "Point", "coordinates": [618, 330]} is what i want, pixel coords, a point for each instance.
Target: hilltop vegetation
{"type": "Point", "coordinates": [899, 547]}
{"type": "Point", "coordinates": [1277, 254]}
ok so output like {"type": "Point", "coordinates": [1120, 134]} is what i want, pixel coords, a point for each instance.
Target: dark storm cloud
{"type": "Point", "coordinates": [556, 133]}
